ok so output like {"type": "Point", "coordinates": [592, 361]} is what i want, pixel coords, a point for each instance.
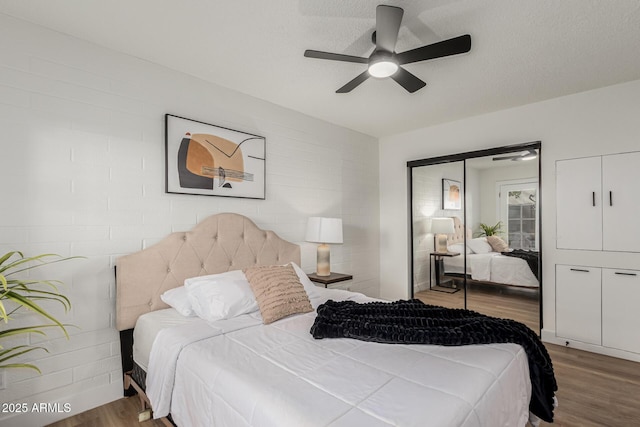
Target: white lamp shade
{"type": "Point", "coordinates": [442, 226]}
{"type": "Point", "coordinates": [325, 230]}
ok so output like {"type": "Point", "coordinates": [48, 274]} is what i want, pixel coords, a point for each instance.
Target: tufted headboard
{"type": "Point", "coordinates": [219, 243]}
{"type": "Point", "coordinates": [458, 235]}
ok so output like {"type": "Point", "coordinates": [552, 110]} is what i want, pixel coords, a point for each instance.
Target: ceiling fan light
{"type": "Point", "coordinates": [383, 68]}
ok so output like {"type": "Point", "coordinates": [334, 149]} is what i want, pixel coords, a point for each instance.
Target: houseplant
{"type": "Point", "coordinates": [18, 294]}
{"type": "Point", "coordinates": [490, 230]}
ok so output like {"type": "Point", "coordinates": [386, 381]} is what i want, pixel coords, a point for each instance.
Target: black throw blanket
{"type": "Point", "coordinates": [531, 257]}
{"type": "Point", "coordinates": [414, 322]}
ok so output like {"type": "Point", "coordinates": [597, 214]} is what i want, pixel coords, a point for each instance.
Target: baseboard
{"type": "Point", "coordinates": [66, 407]}
{"type": "Point", "coordinates": [550, 337]}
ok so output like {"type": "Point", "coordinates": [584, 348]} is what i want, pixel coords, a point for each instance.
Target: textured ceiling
{"type": "Point", "coordinates": [522, 50]}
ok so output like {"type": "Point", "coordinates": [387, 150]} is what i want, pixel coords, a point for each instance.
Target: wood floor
{"type": "Point", "coordinates": [119, 413]}
{"type": "Point", "coordinates": [593, 390]}
{"type": "Point", "coordinates": [520, 304]}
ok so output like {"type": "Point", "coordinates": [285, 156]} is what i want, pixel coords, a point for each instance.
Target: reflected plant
{"type": "Point", "coordinates": [489, 230]}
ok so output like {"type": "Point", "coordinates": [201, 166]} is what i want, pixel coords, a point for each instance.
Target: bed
{"type": "Point", "coordinates": [485, 265]}
{"type": "Point", "coordinates": [242, 372]}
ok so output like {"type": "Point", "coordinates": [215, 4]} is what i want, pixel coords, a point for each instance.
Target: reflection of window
{"type": "Point", "coordinates": [518, 206]}
{"type": "Point", "coordinates": [522, 220]}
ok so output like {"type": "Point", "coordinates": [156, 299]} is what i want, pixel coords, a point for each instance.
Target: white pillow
{"type": "Point", "coordinates": [221, 296]}
{"type": "Point", "coordinates": [479, 245]}
{"type": "Point", "coordinates": [459, 248]}
{"type": "Point", "coordinates": [226, 295]}
{"type": "Point", "coordinates": [178, 299]}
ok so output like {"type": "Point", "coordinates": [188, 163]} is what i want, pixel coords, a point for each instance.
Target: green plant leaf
{"type": "Point", "coordinates": [27, 293]}
{"type": "Point", "coordinates": [26, 302]}
{"type": "Point", "coordinates": [18, 351]}
{"type": "Point", "coordinates": [21, 365]}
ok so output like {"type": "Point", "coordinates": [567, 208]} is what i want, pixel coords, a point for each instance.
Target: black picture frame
{"type": "Point", "coordinates": [209, 160]}
{"type": "Point", "coordinates": [451, 194]}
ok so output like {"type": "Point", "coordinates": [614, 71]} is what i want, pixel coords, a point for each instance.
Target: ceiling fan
{"type": "Point", "coordinates": [519, 157]}
{"type": "Point", "coordinates": [385, 62]}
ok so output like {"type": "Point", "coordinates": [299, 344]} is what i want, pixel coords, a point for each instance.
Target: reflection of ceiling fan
{"type": "Point", "coordinates": [385, 62]}
{"type": "Point", "coordinates": [522, 156]}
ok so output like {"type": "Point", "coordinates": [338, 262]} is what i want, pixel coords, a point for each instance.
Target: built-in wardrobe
{"type": "Point", "coordinates": [597, 203]}
{"type": "Point", "coordinates": [451, 198]}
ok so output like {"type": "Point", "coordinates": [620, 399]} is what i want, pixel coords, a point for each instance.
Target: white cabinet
{"type": "Point", "coordinates": [597, 201]}
{"type": "Point", "coordinates": [598, 306]}
{"type": "Point", "coordinates": [621, 309]}
{"type": "Point", "coordinates": [621, 202]}
{"type": "Point", "coordinates": [579, 203]}
{"type": "Point", "coordinates": [578, 303]}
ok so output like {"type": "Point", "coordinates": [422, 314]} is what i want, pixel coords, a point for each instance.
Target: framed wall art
{"type": "Point", "coordinates": [451, 194]}
{"type": "Point", "coordinates": [211, 160]}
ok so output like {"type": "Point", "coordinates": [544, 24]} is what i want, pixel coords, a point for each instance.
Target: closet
{"type": "Point", "coordinates": [455, 266]}
{"type": "Point", "coordinates": [597, 203]}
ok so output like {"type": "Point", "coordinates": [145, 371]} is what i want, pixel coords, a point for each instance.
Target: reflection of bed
{"type": "Point", "coordinates": [241, 372]}
{"type": "Point", "coordinates": [493, 267]}
{"type": "Point", "coordinates": [488, 267]}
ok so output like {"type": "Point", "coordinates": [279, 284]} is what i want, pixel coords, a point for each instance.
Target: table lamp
{"type": "Point", "coordinates": [324, 231]}
{"type": "Point", "coordinates": [440, 227]}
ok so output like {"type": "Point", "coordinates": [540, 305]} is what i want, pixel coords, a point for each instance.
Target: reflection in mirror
{"type": "Point", "coordinates": [503, 218]}
{"type": "Point", "coordinates": [475, 232]}
{"type": "Point", "coordinates": [437, 208]}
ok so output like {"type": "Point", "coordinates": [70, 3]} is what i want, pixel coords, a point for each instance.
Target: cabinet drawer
{"type": "Point", "coordinates": [578, 303]}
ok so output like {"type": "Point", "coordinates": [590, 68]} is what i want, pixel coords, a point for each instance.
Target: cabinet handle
{"type": "Point", "coordinates": [625, 274]}
{"type": "Point", "coordinates": [593, 198]}
{"type": "Point", "coordinates": [580, 270]}
{"type": "Point", "coordinates": [610, 198]}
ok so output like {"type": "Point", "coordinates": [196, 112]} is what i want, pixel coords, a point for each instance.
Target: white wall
{"type": "Point", "coordinates": [82, 168]}
{"type": "Point", "coordinates": [590, 123]}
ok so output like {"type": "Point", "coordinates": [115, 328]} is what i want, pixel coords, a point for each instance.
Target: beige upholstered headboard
{"type": "Point", "coordinates": [458, 235]}
{"type": "Point", "coordinates": [220, 243]}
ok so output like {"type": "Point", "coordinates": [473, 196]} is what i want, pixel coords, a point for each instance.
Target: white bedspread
{"type": "Point", "coordinates": [493, 267]}
{"type": "Point", "coordinates": [243, 373]}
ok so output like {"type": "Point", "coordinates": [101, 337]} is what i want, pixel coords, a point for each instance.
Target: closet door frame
{"type": "Point", "coordinates": [535, 145]}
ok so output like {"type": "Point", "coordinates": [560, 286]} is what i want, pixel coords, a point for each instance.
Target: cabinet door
{"type": "Point", "coordinates": [578, 299]}
{"type": "Point", "coordinates": [620, 309]}
{"type": "Point", "coordinates": [621, 202]}
{"type": "Point", "coordinates": [578, 203]}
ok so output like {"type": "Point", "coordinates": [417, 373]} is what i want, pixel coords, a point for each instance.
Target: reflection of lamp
{"type": "Point", "coordinates": [323, 231]}
{"type": "Point", "coordinates": [440, 227]}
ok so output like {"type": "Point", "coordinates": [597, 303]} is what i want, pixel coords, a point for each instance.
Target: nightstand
{"type": "Point", "coordinates": [437, 259]}
{"type": "Point", "coordinates": [330, 279]}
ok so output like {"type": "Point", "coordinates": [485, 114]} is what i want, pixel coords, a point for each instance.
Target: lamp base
{"type": "Point", "coordinates": [324, 264]}
{"type": "Point", "coordinates": [441, 243]}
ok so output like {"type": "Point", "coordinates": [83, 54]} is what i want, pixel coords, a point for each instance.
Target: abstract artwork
{"type": "Point", "coordinates": [213, 161]}
{"type": "Point", "coordinates": [451, 194]}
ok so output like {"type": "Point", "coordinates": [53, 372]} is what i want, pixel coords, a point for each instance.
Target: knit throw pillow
{"type": "Point", "coordinates": [278, 291]}
{"type": "Point", "coordinates": [497, 244]}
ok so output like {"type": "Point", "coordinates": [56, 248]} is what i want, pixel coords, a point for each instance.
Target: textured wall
{"type": "Point", "coordinates": [82, 167]}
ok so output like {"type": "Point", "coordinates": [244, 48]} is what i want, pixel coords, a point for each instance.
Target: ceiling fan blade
{"type": "Point", "coordinates": [407, 80]}
{"type": "Point", "coordinates": [334, 56]}
{"type": "Point", "coordinates": [454, 46]}
{"type": "Point", "coordinates": [388, 19]}
{"type": "Point", "coordinates": [354, 83]}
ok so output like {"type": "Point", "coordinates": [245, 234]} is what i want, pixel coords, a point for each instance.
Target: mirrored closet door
{"type": "Point", "coordinates": [475, 232]}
